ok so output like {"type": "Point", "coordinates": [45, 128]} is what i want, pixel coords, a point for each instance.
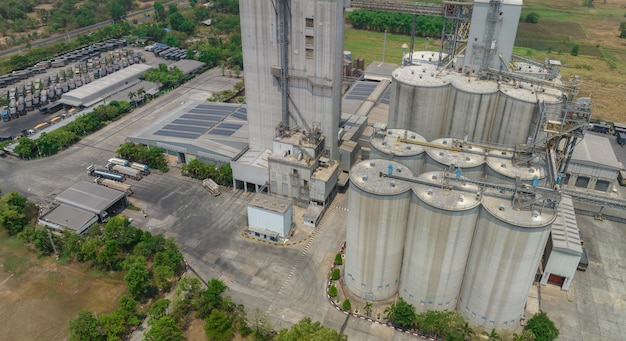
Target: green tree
{"type": "Point", "coordinates": [138, 278]}
{"type": "Point", "coordinates": [368, 308]}
{"type": "Point", "coordinates": [403, 314]}
{"type": "Point", "coordinates": [218, 326]}
{"type": "Point", "coordinates": [305, 329]}
{"type": "Point", "coordinates": [117, 10]}
{"type": "Point", "coordinates": [526, 335]}
{"type": "Point", "coordinates": [158, 309]}
{"type": "Point", "coordinates": [109, 257]}
{"type": "Point", "coordinates": [332, 291]}
{"type": "Point", "coordinates": [159, 12]}
{"type": "Point", "coordinates": [89, 250]}
{"type": "Point", "coordinates": [164, 329]}
{"type": "Point", "coordinates": [493, 335]}
{"type": "Point", "coordinates": [335, 274]}
{"type": "Point", "coordinates": [128, 308]}
{"type": "Point", "coordinates": [588, 3]}
{"type": "Point", "coordinates": [622, 29]}
{"type": "Point", "coordinates": [113, 325]}
{"type": "Point", "coordinates": [12, 213]}
{"type": "Point", "coordinates": [532, 18]}
{"type": "Point", "coordinates": [542, 327]}
{"type": "Point", "coordinates": [575, 50]}
{"type": "Point", "coordinates": [84, 327]}
{"type": "Point", "coordinates": [346, 305]}
{"type": "Point", "coordinates": [338, 259]}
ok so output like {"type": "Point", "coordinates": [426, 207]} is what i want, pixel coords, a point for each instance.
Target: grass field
{"type": "Point", "coordinates": [601, 62]}
{"type": "Point", "coordinates": [38, 296]}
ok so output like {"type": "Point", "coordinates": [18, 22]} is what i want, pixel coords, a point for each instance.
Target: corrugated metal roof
{"type": "Point", "coordinates": [70, 217]}
{"type": "Point", "coordinates": [565, 234]}
{"type": "Point", "coordinates": [595, 150]}
{"type": "Point", "coordinates": [90, 197]}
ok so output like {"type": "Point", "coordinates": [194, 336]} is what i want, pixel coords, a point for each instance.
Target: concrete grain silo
{"type": "Point", "coordinates": [439, 235]}
{"type": "Point", "coordinates": [500, 169]}
{"type": "Point", "coordinates": [503, 260]}
{"type": "Point", "coordinates": [385, 145]}
{"type": "Point", "coordinates": [470, 159]}
{"type": "Point", "coordinates": [471, 107]}
{"type": "Point", "coordinates": [378, 208]}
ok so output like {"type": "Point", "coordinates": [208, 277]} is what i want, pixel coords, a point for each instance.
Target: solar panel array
{"type": "Point", "coordinates": [205, 118]}
{"type": "Point", "coordinates": [361, 91]}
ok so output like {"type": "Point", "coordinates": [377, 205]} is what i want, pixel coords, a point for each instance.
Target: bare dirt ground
{"type": "Point", "coordinates": [195, 331]}
{"type": "Point", "coordinates": [39, 296]}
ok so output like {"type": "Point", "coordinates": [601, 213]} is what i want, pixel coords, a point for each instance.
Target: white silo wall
{"type": "Point", "coordinates": [439, 235]}
{"type": "Point", "coordinates": [471, 105]}
{"type": "Point", "coordinates": [378, 210]}
{"type": "Point", "coordinates": [418, 100]}
{"type": "Point", "coordinates": [470, 159]}
{"type": "Point", "coordinates": [386, 146]}
{"type": "Point", "coordinates": [503, 260]}
{"type": "Point", "coordinates": [500, 169]}
{"type": "Point", "coordinates": [513, 120]}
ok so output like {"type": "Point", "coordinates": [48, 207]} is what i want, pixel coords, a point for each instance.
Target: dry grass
{"type": "Point", "coordinates": [39, 296]}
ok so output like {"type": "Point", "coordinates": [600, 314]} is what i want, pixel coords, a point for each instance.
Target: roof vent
{"type": "Point", "coordinates": [531, 170]}
{"type": "Point", "coordinates": [467, 158]}
{"type": "Point", "coordinates": [399, 169]}
{"type": "Point", "coordinates": [461, 197]}
{"type": "Point", "coordinates": [392, 183]}
{"type": "Point", "coordinates": [372, 163]}
{"type": "Point", "coordinates": [408, 147]}
{"type": "Point", "coordinates": [389, 132]}
{"type": "Point", "coordinates": [412, 72]}
{"type": "Point", "coordinates": [420, 76]}
{"type": "Point", "coordinates": [434, 177]}
{"type": "Point", "coordinates": [413, 136]}
{"type": "Point", "coordinates": [501, 207]}
{"type": "Point", "coordinates": [503, 165]}
{"type": "Point", "coordinates": [440, 153]}
{"type": "Point", "coordinates": [535, 214]}
{"type": "Point", "coordinates": [430, 191]}
{"type": "Point", "coordinates": [445, 142]}
{"type": "Point", "coordinates": [384, 143]}
{"type": "Point", "coordinates": [364, 177]}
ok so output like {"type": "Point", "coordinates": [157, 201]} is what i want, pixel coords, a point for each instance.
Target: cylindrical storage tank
{"type": "Point", "coordinates": [500, 169]}
{"type": "Point", "coordinates": [378, 208]}
{"type": "Point", "coordinates": [469, 158]}
{"type": "Point", "coordinates": [385, 145]}
{"type": "Point", "coordinates": [506, 249]}
{"type": "Point", "coordinates": [418, 100]}
{"type": "Point", "coordinates": [471, 105]}
{"type": "Point", "coordinates": [515, 117]}
{"type": "Point", "coordinates": [438, 238]}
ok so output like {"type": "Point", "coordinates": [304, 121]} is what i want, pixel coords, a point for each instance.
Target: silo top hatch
{"type": "Point", "coordinates": [502, 209]}
{"type": "Point", "coordinates": [389, 144]}
{"type": "Point", "coordinates": [503, 165]}
{"type": "Point", "coordinates": [458, 198]}
{"type": "Point", "coordinates": [366, 175]}
{"type": "Point", "coordinates": [467, 156]}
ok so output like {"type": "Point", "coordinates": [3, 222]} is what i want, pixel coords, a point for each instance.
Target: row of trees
{"type": "Point", "coordinates": [401, 23]}
{"type": "Point", "coordinates": [151, 156]}
{"type": "Point", "coordinates": [16, 212]}
{"type": "Point", "coordinates": [200, 170]}
{"type": "Point", "coordinates": [452, 326]}
{"type": "Point", "coordinates": [168, 77]}
{"type": "Point", "coordinates": [51, 143]}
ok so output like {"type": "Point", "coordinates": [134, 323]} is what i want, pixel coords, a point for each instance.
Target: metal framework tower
{"type": "Point", "coordinates": [283, 18]}
{"type": "Point", "coordinates": [456, 23]}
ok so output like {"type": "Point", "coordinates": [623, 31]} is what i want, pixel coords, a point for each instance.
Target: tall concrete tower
{"type": "Point", "coordinates": [293, 54]}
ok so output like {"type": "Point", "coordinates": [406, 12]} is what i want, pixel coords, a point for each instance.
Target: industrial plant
{"type": "Point", "coordinates": [466, 178]}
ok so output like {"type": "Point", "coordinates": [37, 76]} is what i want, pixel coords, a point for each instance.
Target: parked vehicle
{"type": "Point", "coordinates": [145, 170]}
{"type": "Point", "coordinates": [130, 172]}
{"type": "Point", "coordinates": [621, 138]}
{"type": "Point", "coordinates": [118, 161]}
{"type": "Point", "coordinates": [213, 188]}
{"type": "Point", "coordinates": [91, 170]}
{"type": "Point", "coordinates": [126, 188]}
{"type": "Point", "coordinates": [5, 114]}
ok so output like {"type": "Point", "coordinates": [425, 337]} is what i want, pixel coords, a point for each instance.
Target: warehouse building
{"type": "Point", "coordinates": [270, 217]}
{"type": "Point", "coordinates": [590, 169]}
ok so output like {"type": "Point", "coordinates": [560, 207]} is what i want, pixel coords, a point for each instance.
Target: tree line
{"type": "Point", "coordinates": [151, 156]}
{"type": "Point", "coordinates": [200, 170]}
{"type": "Point", "coordinates": [61, 138]}
{"type": "Point", "coordinates": [392, 22]}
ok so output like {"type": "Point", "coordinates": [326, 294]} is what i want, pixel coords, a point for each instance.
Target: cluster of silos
{"type": "Point", "coordinates": [501, 169]}
{"type": "Point", "coordinates": [469, 158]}
{"type": "Point", "coordinates": [375, 237]}
{"type": "Point", "coordinates": [386, 144]}
{"type": "Point", "coordinates": [449, 104]}
{"type": "Point", "coordinates": [441, 243]}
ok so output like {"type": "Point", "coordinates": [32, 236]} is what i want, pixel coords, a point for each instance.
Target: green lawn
{"type": "Point", "coordinates": [369, 45]}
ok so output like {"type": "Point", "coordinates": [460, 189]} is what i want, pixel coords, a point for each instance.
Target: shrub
{"type": "Point", "coordinates": [338, 259]}
{"type": "Point", "coordinates": [332, 291]}
{"type": "Point", "coordinates": [532, 18]}
{"type": "Point", "coordinates": [335, 274]}
{"type": "Point", "coordinates": [543, 328]}
{"type": "Point", "coordinates": [346, 305]}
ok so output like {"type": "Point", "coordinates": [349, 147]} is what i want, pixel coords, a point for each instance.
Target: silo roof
{"type": "Point", "coordinates": [366, 175]}
{"type": "Point", "coordinates": [389, 144]}
{"type": "Point", "coordinates": [444, 198]}
{"type": "Point", "coordinates": [419, 74]}
{"type": "Point", "coordinates": [501, 208]}
{"type": "Point", "coordinates": [469, 156]}
{"type": "Point", "coordinates": [503, 165]}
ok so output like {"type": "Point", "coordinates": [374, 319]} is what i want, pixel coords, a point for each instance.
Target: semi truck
{"type": "Point", "coordinates": [144, 169]}
{"type": "Point", "coordinates": [118, 161]}
{"type": "Point", "coordinates": [91, 170]}
{"type": "Point", "coordinates": [130, 172]}
{"type": "Point", "coordinates": [126, 188]}
{"type": "Point", "coordinates": [621, 137]}
{"type": "Point", "coordinates": [5, 114]}
{"type": "Point", "coordinates": [213, 188]}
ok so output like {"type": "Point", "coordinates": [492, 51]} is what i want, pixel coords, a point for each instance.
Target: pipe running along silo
{"type": "Point", "coordinates": [378, 208]}
{"type": "Point", "coordinates": [503, 260]}
{"type": "Point", "coordinates": [385, 144]}
{"type": "Point", "coordinates": [469, 158]}
{"type": "Point", "coordinates": [439, 234]}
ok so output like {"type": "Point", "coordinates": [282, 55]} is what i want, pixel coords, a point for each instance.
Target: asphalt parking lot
{"type": "Point", "coordinates": [288, 283]}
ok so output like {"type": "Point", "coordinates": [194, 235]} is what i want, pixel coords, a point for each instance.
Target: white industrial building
{"type": "Point", "coordinates": [563, 250]}
{"type": "Point", "coordinates": [591, 170]}
{"type": "Point", "coordinates": [270, 217]}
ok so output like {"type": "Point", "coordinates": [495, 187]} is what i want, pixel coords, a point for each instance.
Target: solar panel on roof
{"type": "Point", "coordinates": [240, 116]}
{"type": "Point", "coordinates": [243, 110]}
{"type": "Point", "coordinates": [202, 117]}
{"type": "Point", "coordinates": [201, 130]}
{"type": "Point", "coordinates": [210, 112]}
{"type": "Point", "coordinates": [214, 106]}
{"type": "Point", "coordinates": [222, 132]}
{"type": "Point", "coordinates": [229, 126]}
{"type": "Point", "coordinates": [195, 123]}
{"type": "Point", "coordinates": [385, 101]}
{"type": "Point", "coordinates": [176, 134]}
{"type": "Point", "coordinates": [354, 97]}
